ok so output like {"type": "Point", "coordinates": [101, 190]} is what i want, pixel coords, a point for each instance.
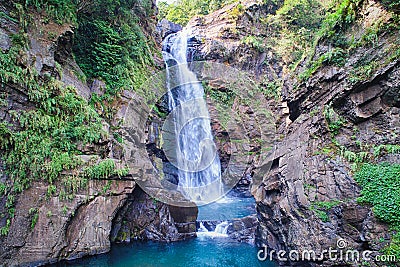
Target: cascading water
{"type": "Point", "coordinates": [221, 230]}
{"type": "Point", "coordinates": [187, 134]}
{"type": "Point", "coordinates": [193, 150]}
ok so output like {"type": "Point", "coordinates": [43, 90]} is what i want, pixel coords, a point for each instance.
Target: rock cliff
{"type": "Point", "coordinates": [326, 111]}
{"type": "Point", "coordinates": [75, 214]}
{"type": "Point", "coordinates": [337, 107]}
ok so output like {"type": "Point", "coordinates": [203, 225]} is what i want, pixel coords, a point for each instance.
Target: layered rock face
{"type": "Point", "coordinates": [48, 227]}
{"type": "Point", "coordinates": [309, 166]}
{"type": "Point", "coordinates": [301, 175]}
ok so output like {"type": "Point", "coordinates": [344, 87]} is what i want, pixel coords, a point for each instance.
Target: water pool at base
{"type": "Point", "coordinates": [196, 252]}
{"type": "Point", "coordinates": [227, 208]}
{"type": "Point", "coordinates": [200, 251]}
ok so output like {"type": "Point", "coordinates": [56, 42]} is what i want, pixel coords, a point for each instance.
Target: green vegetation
{"type": "Point", "coordinates": [42, 143]}
{"type": "Point", "coordinates": [35, 215]}
{"type": "Point", "coordinates": [293, 29]}
{"type": "Point", "coordinates": [335, 122]}
{"type": "Point", "coordinates": [255, 42]}
{"type": "Point", "coordinates": [381, 189]}
{"type": "Point", "coordinates": [389, 149]}
{"type": "Point", "coordinates": [107, 187]}
{"type": "Point", "coordinates": [58, 10]}
{"type": "Point", "coordinates": [334, 32]}
{"type": "Point", "coordinates": [5, 229]}
{"type": "Point", "coordinates": [182, 11]}
{"type": "Point", "coordinates": [225, 98]}
{"type": "Point", "coordinates": [323, 215]}
{"type": "Point", "coordinates": [326, 205]}
{"type": "Point", "coordinates": [301, 14]}
{"type": "Point", "coordinates": [321, 208]}
{"type": "Point", "coordinates": [64, 210]}
{"type": "Point", "coordinates": [271, 89]}
{"type": "Point", "coordinates": [114, 48]}
{"type": "Point", "coordinates": [336, 57]}
{"type": "Point", "coordinates": [392, 4]}
{"type": "Point", "coordinates": [236, 12]}
{"type": "Point", "coordinates": [46, 143]}
{"type": "Point", "coordinates": [357, 157]}
{"type": "Point", "coordinates": [363, 70]}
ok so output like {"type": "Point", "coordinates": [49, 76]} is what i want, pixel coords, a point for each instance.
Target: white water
{"type": "Point", "coordinates": [221, 230]}
{"type": "Point", "coordinates": [188, 140]}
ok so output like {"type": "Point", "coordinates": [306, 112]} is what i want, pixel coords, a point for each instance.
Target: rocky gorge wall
{"type": "Point", "coordinates": [309, 198]}
{"type": "Point", "coordinates": [69, 217]}
{"type": "Point", "coordinates": [310, 165]}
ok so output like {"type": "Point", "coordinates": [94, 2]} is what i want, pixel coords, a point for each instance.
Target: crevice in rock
{"type": "Point", "coordinates": [144, 218]}
{"type": "Point", "coordinates": [294, 109]}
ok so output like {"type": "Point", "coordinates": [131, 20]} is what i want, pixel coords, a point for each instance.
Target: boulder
{"type": "Point", "coordinates": [166, 27]}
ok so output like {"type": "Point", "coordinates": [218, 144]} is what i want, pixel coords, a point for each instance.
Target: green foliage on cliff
{"type": "Point", "coordinates": [334, 121]}
{"type": "Point", "coordinates": [381, 188]}
{"type": "Point", "coordinates": [338, 18]}
{"type": "Point", "coordinates": [43, 141]}
{"type": "Point", "coordinates": [321, 208]}
{"type": "Point", "coordinates": [392, 4]}
{"type": "Point", "coordinates": [337, 32]}
{"type": "Point", "coordinates": [296, 14]}
{"type": "Point", "coordinates": [59, 10]}
{"type": "Point", "coordinates": [293, 28]}
{"type": "Point", "coordinates": [110, 44]}
{"type": "Point", "coordinates": [182, 11]}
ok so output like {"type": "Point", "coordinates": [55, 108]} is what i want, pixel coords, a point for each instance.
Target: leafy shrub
{"type": "Point", "coordinates": [381, 188]}
{"type": "Point", "coordinates": [335, 122]}
{"type": "Point", "coordinates": [111, 46]}
{"type": "Point", "coordinates": [255, 42]}
{"type": "Point", "coordinates": [271, 89]}
{"type": "Point", "coordinates": [59, 10]}
{"type": "Point", "coordinates": [182, 11]}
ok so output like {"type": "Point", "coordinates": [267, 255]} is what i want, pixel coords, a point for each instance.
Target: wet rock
{"type": "Point", "coordinates": [242, 229]}
{"type": "Point", "coordinates": [98, 87]}
{"type": "Point", "coordinates": [145, 218]}
{"type": "Point", "coordinates": [166, 27]}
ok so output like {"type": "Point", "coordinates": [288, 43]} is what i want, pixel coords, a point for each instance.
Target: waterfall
{"type": "Point", "coordinates": [221, 230]}
{"type": "Point", "coordinates": [188, 140]}
{"type": "Point", "coordinates": [202, 228]}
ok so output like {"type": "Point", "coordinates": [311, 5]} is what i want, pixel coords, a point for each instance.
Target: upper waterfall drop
{"type": "Point", "coordinates": [188, 139]}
